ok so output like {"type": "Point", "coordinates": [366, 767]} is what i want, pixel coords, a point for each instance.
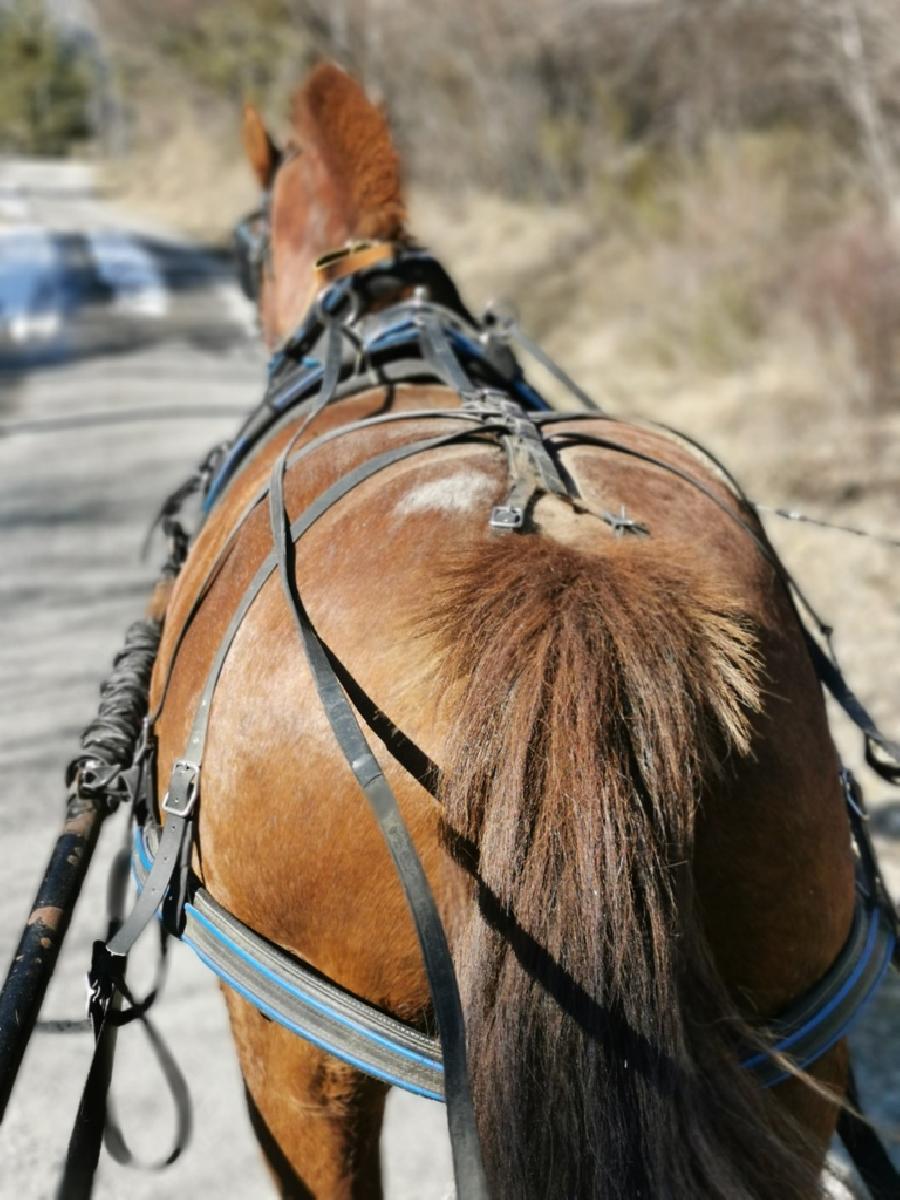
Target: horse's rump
{"type": "Point", "coordinates": [583, 694]}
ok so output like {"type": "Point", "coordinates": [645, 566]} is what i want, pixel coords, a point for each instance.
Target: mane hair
{"type": "Point", "coordinates": [594, 697]}
{"type": "Point", "coordinates": [352, 137]}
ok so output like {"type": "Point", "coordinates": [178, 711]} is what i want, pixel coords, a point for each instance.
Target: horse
{"type": "Point", "coordinates": [638, 843]}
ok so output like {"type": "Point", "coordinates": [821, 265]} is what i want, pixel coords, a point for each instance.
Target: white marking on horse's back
{"type": "Point", "coordinates": [461, 491]}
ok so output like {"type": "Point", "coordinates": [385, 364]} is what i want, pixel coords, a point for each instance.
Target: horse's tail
{"type": "Point", "coordinates": [593, 692]}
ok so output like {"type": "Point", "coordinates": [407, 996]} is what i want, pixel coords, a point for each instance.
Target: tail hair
{"type": "Point", "coordinates": [593, 696]}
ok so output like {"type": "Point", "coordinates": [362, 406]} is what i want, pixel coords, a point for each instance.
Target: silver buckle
{"type": "Point", "coordinates": [505, 516]}
{"type": "Point", "coordinates": [184, 787]}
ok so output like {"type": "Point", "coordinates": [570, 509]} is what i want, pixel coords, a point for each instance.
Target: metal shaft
{"type": "Point", "coordinates": [38, 949]}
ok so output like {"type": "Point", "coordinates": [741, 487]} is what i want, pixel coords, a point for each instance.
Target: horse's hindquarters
{"type": "Point", "coordinates": [613, 689]}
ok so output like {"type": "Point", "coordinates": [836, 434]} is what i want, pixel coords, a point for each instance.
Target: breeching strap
{"type": "Point", "coordinates": [466, 1149]}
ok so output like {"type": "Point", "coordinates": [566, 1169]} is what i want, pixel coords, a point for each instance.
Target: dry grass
{"type": "Point", "coordinates": [191, 176]}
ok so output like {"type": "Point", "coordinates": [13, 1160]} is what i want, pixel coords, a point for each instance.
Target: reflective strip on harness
{"type": "Point", "coordinates": [301, 387]}
{"type": "Point", "coordinates": [293, 994]}
{"type": "Point", "coordinates": [814, 1023]}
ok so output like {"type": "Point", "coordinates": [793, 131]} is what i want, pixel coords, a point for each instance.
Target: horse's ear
{"type": "Point", "coordinates": [262, 152]}
{"type": "Point", "coordinates": [332, 111]}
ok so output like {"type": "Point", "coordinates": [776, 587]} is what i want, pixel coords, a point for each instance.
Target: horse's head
{"type": "Point", "coordinates": [335, 182]}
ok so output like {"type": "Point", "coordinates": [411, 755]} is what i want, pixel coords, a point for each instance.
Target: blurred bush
{"type": "Point", "coordinates": [538, 101]}
{"type": "Point", "coordinates": [729, 160]}
{"type": "Point", "coordinates": [552, 100]}
{"type": "Point", "coordinates": [45, 84]}
{"type": "Point", "coordinates": [235, 50]}
{"type": "Point", "coordinates": [850, 286]}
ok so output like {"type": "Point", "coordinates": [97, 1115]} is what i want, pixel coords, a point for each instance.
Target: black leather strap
{"type": "Point", "coordinates": [832, 677]}
{"type": "Point", "coordinates": [114, 1139]}
{"type": "Point", "coordinates": [438, 353]}
{"type": "Point", "coordinates": [403, 749]}
{"type": "Point", "coordinates": [512, 331]}
{"type": "Point", "coordinates": [95, 1120]}
{"type": "Point", "coordinates": [175, 835]}
{"type": "Point", "coordinates": [465, 1146]}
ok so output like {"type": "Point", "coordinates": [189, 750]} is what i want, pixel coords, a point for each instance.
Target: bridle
{"type": "Point", "coordinates": [252, 235]}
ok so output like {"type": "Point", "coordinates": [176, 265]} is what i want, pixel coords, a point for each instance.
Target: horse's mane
{"type": "Point", "coordinates": [351, 135]}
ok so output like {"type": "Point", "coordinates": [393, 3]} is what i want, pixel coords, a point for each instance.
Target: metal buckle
{"type": "Point", "coordinates": [95, 777]}
{"type": "Point", "coordinates": [184, 787]}
{"type": "Point", "coordinates": [623, 524]}
{"type": "Point", "coordinates": [505, 516]}
{"type": "Point", "coordinates": [494, 405]}
{"type": "Point", "coordinates": [339, 302]}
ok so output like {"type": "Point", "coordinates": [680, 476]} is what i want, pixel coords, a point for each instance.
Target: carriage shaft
{"type": "Point", "coordinates": [42, 937]}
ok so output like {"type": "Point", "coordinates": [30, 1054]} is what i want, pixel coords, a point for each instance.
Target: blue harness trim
{"type": "Point", "coordinates": [292, 994]}
{"type": "Point", "coordinates": [399, 339]}
{"type": "Point", "coordinates": [853, 981]}
{"type": "Point", "coordinates": [267, 973]}
{"type": "Point", "coordinates": [336, 1049]}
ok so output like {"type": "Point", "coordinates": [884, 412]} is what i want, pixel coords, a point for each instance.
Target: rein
{"type": "Point", "coordinates": [341, 349]}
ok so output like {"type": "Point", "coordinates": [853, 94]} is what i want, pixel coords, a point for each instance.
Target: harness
{"type": "Point", "coordinates": [360, 335]}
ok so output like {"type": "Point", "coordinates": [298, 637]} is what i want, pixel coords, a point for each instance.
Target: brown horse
{"type": "Point", "coordinates": [639, 842]}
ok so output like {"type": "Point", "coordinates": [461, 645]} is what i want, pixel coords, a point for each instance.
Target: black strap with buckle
{"type": "Point", "coordinates": [95, 1121]}
{"type": "Point", "coordinates": [468, 1169]}
{"type": "Point", "coordinates": [171, 864]}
